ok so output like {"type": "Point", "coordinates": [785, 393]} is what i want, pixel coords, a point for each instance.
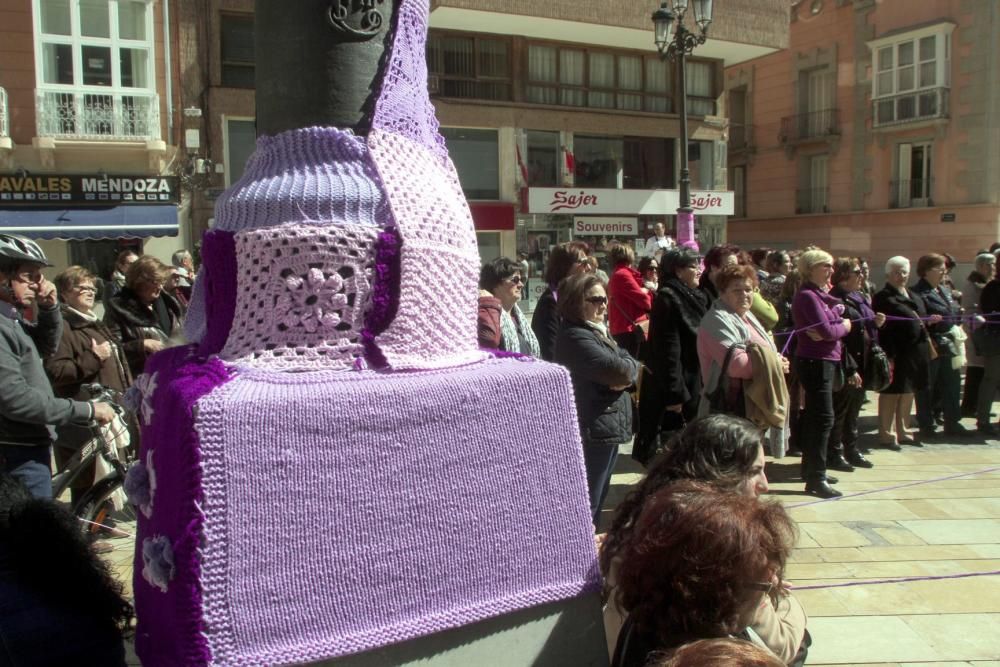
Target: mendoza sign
{"type": "Point", "coordinates": [87, 190]}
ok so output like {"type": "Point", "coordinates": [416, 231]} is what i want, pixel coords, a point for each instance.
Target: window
{"type": "Point", "coordinates": [739, 135]}
{"type": "Point", "coordinates": [700, 84]}
{"type": "Point", "coordinates": [597, 79]}
{"type": "Point", "coordinates": [819, 103]}
{"type": "Point", "coordinates": [489, 248]}
{"type": "Point", "coordinates": [542, 158]}
{"type": "Point", "coordinates": [476, 154]}
{"type": "Point", "coordinates": [912, 75]}
{"type": "Point", "coordinates": [814, 196]}
{"type": "Point", "coordinates": [95, 69]}
{"type": "Point", "coordinates": [739, 180]}
{"type": "Point", "coordinates": [648, 163]}
{"type": "Point", "coordinates": [237, 50]}
{"type": "Point", "coordinates": [469, 66]}
{"type": "Point", "coordinates": [241, 141]}
{"type": "Point", "coordinates": [598, 161]}
{"type": "Point", "coordinates": [701, 166]}
{"type": "Point", "coordinates": [915, 181]}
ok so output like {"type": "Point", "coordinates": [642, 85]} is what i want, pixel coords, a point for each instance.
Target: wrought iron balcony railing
{"type": "Point", "coordinates": [812, 200]}
{"type": "Point", "coordinates": [4, 118]}
{"type": "Point", "coordinates": [98, 116]}
{"type": "Point", "coordinates": [811, 125]}
{"type": "Point", "coordinates": [740, 136]}
{"type": "Point", "coordinates": [910, 107]}
{"type": "Point", "coordinates": [914, 193]}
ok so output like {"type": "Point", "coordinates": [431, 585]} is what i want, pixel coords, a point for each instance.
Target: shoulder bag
{"type": "Point", "coordinates": [721, 400]}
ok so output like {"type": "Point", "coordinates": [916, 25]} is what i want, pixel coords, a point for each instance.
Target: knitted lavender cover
{"type": "Point", "coordinates": [292, 517]}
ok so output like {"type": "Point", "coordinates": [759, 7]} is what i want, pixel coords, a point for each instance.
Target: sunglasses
{"type": "Point", "coordinates": [597, 300]}
{"type": "Point", "coordinates": [515, 280]}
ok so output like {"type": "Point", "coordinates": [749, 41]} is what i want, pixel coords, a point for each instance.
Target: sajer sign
{"type": "Point", "coordinates": [598, 201]}
{"type": "Point", "coordinates": [87, 190]}
{"type": "Point", "coordinates": [593, 226]}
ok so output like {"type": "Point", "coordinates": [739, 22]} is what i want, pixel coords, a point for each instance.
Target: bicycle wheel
{"type": "Point", "coordinates": [105, 512]}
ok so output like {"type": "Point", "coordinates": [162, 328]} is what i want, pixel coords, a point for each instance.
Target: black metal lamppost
{"type": "Point", "coordinates": [674, 41]}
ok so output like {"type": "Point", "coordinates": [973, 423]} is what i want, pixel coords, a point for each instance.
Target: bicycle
{"type": "Point", "coordinates": [104, 502]}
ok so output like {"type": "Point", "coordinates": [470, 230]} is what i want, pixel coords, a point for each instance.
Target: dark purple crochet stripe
{"type": "Point", "coordinates": [218, 251]}
{"type": "Point", "coordinates": [385, 294]}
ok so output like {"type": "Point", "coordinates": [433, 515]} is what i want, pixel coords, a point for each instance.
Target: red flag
{"type": "Point", "coordinates": [520, 164]}
{"type": "Point", "coordinates": [570, 161]}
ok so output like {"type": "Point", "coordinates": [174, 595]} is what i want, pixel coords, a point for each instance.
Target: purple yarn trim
{"type": "Point", "coordinates": [385, 294]}
{"type": "Point", "coordinates": [504, 354]}
{"type": "Point", "coordinates": [169, 630]}
{"type": "Point", "coordinates": [218, 253]}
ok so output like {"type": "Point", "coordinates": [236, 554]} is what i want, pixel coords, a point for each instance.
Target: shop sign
{"type": "Point", "coordinates": [598, 201]}
{"type": "Point", "coordinates": [87, 190]}
{"type": "Point", "coordinates": [594, 226]}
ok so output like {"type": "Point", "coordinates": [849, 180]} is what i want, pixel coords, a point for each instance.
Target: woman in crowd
{"type": "Point", "coordinates": [989, 307]}
{"type": "Point", "coordinates": [725, 354]}
{"type": "Point", "coordinates": [649, 269]}
{"type": "Point", "coordinates": [671, 390]}
{"type": "Point", "coordinates": [59, 604]}
{"type": "Point", "coordinates": [983, 272]}
{"type": "Point", "coordinates": [784, 332]}
{"type": "Point", "coordinates": [502, 325]}
{"type": "Point", "coordinates": [714, 652]}
{"type": "Point", "coordinates": [719, 257]}
{"type": "Point", "coordinates": [944, 383]}
{"type": "Point", "coordinates": [144, 317]}
{"type": "Point", "coordinates": [728, 453]}
{"type": "Point", "coordinates": [601, 372]}
{"type": "Point", "coordinates": [843, 452]}
{"type": "Point", "coordinates": [629, 301]}
{"type": "Point", "coordinates": [819, 318]}
{"type": "Point", "coordinates": [565, 259]}
{"type": "Point", "coordinates": [88, 353]}
{"type": "Point", "coordinates": [740, 546]}
{"type": "Point", "coordinates": [114, 286]}
{"type": "Point", "coordinates": [778, 265]}
{"type": "Point", "coordinates": [904, 339]}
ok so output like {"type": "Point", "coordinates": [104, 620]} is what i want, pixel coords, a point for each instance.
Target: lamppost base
{"type": "Point", "coordinates": [685, 229]}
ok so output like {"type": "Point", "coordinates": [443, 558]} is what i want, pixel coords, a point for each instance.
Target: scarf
{"type": "Point", "coordinates": [509, 329]}
{"type": "Point", "coordinates": [89, 317]}
{"type": "Point", "coordinates": [691, 303]}
{"type": "Point", "coordinates": [599, 327]}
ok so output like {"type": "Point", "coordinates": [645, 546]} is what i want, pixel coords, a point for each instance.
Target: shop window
{"type": "Point", "coordinates": [542, 164]}
{"type": "Point", "coordinates": [476, 155]}
{"type": "Point", "coordinates": [648, 163]}
{"type": "Point", "coordinates": [241, 141]}
{"type": "Point", "coordinates": [237, 50]}
{"type": "Point", "coordinates": [469, 66]}
{"type": "Point", "coordinates": [598, 161]}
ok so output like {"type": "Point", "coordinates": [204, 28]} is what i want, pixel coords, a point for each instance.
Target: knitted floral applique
{"type": "Point", "coordinates": [140, 484]}
{"type": "Point", "coordinates": [312, 302]}
{"type": "Point", "coordinates": [158, 562]}
{"type": "Point", "coordinates": [142, 397]}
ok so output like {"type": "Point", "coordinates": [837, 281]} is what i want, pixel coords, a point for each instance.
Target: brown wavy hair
{"type": "Point", "coordinates": [734, 272]}
{"type": "Point", "coordinates": [561, 260]}
{"type": "Point", "coordinates": [695, 559]}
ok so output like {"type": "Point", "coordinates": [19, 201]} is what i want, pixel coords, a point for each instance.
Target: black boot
{"type": "Point", "coordinates": [838, 462]}
{"type": "Point", "coordinates": [857, 459]}
{"type": "Point", "coordinates": [822, 489]}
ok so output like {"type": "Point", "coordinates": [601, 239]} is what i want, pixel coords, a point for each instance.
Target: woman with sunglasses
{"type": "Point", "coordinates": [601, 372]}
{"type": "Point", "coordinates": [565, 259]}
{"type": "Point", "coordinates": [502, 325]}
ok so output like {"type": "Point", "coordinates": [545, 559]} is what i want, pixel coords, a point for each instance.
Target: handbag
{"type": "Point", "coordinates": [722, 400]}
{"type": "Point", "coordinates": [877, 374]}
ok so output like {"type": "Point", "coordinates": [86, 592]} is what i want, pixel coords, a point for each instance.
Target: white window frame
{"type": "Point", "coordinates": [941, 32]}
{"type": "Point", "coordinates": [905, 176]}
{"type": "Point", "coordinates": [225, 144]}
{"type": "Point", "coordinates": [78, 41]}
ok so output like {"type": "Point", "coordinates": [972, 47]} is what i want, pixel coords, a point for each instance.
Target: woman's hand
{"type": "Point", "coordinates": [786, 366]}
{"type": "Point", "coordinates": [934, 319]}
{"type": "Point", "coordinates": [675, 408]}
{"type": "Point", "coordinates": [101, 350]}
{"type": "Point", "coordinates": [151, 345]}
{"type": "Point", "coordinates": [879, 320]}
{"type": "Point", "coordinates": [847, 324]}
{"type": "Point", "coordinates": [854, 380]}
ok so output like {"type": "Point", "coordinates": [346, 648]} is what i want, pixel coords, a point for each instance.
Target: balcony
{"type": "Point", "coordinates": [813, 125]}
{"type": "Point", "coordinates": [812, 200]}
{"type": "Point", "coordinates": [914, 193]}
{"type": "Point", "coordinates": [912, 107]}
{"type": "Point", "coordinates": [4, 119]}
{"type": "Point", "coordinates": [98, 116]}
{"type": "Point", "coordinates": [740, 137]}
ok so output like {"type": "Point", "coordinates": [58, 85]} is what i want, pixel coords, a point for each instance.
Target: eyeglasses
{"type": "Point", "coordinates": [597, 300]}
{"type": "Point", "coordinates": [857, 272]}
{"type": "Point", "coordinates": [583, 260]}
{"type": "Point", "coordinates": [515, 280]}
{"type": "Point", "coordinates": [85, 288]}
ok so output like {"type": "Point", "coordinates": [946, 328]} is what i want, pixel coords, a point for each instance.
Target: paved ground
{"type": "Point", "coordinates": [937, 528]}
{"type": "Point", "coordinates": [932, 528]}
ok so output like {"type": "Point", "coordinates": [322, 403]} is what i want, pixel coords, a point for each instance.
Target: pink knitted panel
{"type": "Point", "coordinates": [435, 325]}
{"type": "Point", "coordinates": [302, 295]}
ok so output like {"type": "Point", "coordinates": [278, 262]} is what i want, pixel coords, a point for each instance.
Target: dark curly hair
{"type": "Point", "coordinates": [695, 561]}
{"type": "Point", "coordinates": [496, 271]}
{"type": "Point", "coordinates": [720, 449]}
{"type": "Point", "coordinates": [675, 259]}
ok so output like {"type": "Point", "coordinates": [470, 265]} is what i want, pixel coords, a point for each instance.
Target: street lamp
{"type": "Point", "coordinates": [674, 42]}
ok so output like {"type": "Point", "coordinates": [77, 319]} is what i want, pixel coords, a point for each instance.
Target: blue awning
{"type": "Point", "coordinates": [86, 223]}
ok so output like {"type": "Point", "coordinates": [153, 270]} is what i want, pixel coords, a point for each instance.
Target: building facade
{"type": "Point", "coordinates": [876, 133]}
{"type": "Point", "coordinates": [88, 131]}
{"type": "Point", "coordinates": [550, 110]}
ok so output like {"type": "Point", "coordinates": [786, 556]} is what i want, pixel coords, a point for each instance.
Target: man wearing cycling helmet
{"type": "Point", "coordinates": [28, 409]}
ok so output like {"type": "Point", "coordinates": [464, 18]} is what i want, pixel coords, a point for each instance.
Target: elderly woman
{"type": "Point", "coordinates": [820, 322]}
{"type": "Point", "coordinates": [502, 325]}
{"type": "Point", "coordinates": [983, 271]}
{"type": "Point", "coordinates": [565, 259]}
{"type": "Point", "coordinates": [740, 546]}
{"type": "Point", "coordinates": [601, 371]}
{"type": "Point", "coordinates": [671, 391]}
{"type": "Point", "coordinates": [944, 380]}
{"type": "Point", "coordinates": [843, 452]}
{"type": "Point", "coordinates": [630, 301]}
{"type": "Point", "coordinates": [905, 340]}
{"type": "Point", "coordinates": [87, 353]}
{"type": "Point", "coordinates": [143, 316]}
{"type": "Point", "coordinates": [718, 258]}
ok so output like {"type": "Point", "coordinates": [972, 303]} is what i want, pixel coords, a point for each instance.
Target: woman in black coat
{"type": "Point", "coordinates": [905, 342]}
{"type": "Point", "coordinates": [566, 259]}
{"type": "Point", "coordinates": [672, 385]}
{"type": "Point", "coordinates": [601, 372]}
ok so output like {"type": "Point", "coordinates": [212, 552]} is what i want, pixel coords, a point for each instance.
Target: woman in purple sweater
{"type": "Point", "coordinates": [817, 361]}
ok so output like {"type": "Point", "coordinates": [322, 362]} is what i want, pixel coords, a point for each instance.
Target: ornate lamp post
{"type": "Point", "coordinates": [674, 42]}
